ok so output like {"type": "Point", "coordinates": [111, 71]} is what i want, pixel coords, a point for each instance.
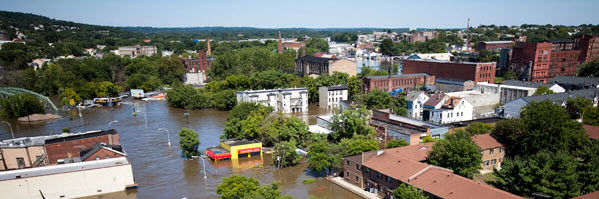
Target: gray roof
{"type": "Point", "coordinates": [451, 81]}
{"type": "Point", "coordinates": [526, 84]}
{"type": "Point", "coordinates": [338, 87]}
{"type": "Point", "coordinates": [62, 168]}
{"type": "Point", "coordinates": [314, 59]}
{"type": "Point", "coordinates": [413, 95]}
{"type": "Point", "coordinates": [402, 75]}
{"type": "Point", "coordinates": [497, 42]}
{"type": "Point", "coordinates": [563, 97]}
{"type": "Point", "coordinates": [572, 80]}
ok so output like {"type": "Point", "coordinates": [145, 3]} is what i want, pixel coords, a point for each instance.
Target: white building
{"type": "Point", "coordinates": [415, 101]}
{"type": "Point", "coordinates": [434, 56]}
{"type": "Point", "coordinates": [286, 100]}
{"type": "Point", "coordinates": [454, 109]}
{"type": "Point", "coordinates": [137, 50]}
{"type": "Point", "coordinates": [329, 97]}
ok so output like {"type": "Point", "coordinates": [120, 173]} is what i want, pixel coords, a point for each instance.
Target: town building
{"type": "Point", "coordinates": [483, 103]}
{"type": "Point", "coordinates": [445, 85]}
{"type": "Point", "coordinates": [315, 66]}
{"type": "Point", "coordinates": [453, 109]}
{"type": "Point", "coordinates": [476, 71]}
{"type": "Point", "coordinates": [383, 171]}
{"type": "Point", "coordinates": [420, 36]}
{"type": "Point", "coordinates": [394, 82]}
{"type": "Point", "coordinates": [137, 50]}
{"type": "Point", "coordinates": [494, 45]}
{"type": "Point", "coordinates": [539, 62]}
{"type": "Point", "coordinates": [492, 151]}
{"type": "Point", "coordinates": [234, 149]}
{"type": "Point", "coordinates": [390, 126]}
{"type": "Point", "coordinates": [322, 126]}
{"type": "Point", "coordinates": [286, 100]}
{"type": "Point", "coordinates": [513, 108]}
{"type": "Point", "coordinates": [329, 97]}
{"type": "Point", "coordinates": [575, 83]}
{"type": "Point", "coordinates": [553, 87]}
{"type": "Point", "coordinates": [415, 101]}
{"type": "Point", "coordinates": [435, 56]}
{"type": "Point", "coordinates": [196, 69]}
{"type": "Point", "coordinates": [66, 148]}
{"type": "Point", "coordinates": [507, 93]}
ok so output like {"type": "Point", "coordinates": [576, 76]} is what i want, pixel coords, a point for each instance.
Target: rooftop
{"type": "Point", "coordinates": [417, 152]}
{"type": "Point", "coordinates": [239, 142]}
{"type": "Point", "coordinates": [394, 127]}
{"type": "Point", "coordinates": [486, 141]}
{"type": "Point", "coordinates": [314, 59]}
{"type": "Point", "coordinates": [497, 42]}
{"type": "Point", "coordinates": [451, 81]}
{"type": "Point", "coordinates": [572, 80]}
{"type": "Point", "coordinates": [411, 96]}
{"type": "Point", "coordinates": [49, 139]}
{"type": "Point", "coordinates": [592, 131]}
{"type": "Point", "coordinates": [525, 84]}
{"type": "Point", "coordinates": [338, 87]}
{"type": "Point", "coordinates": [398, 76]}
{"type": "Point", "coordinates": [62, 168]}
{"type": "Point", "coordinates": [452, 62]}
{"type": "Point", "coordinates": [271, 90]}
{"type": "Point", "coordinates": [435, 99]}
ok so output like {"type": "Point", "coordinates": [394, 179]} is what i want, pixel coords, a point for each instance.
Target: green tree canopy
{"type": "Point", "coordinates": [350, 123]}
{"type": "Point", "coordinates": [286, 154]}
{"type": "Point", "coordinates": [377, 99]}
{"type": "Point", "coordinates": [396, 143]}
{"type": "Point", "coordinates": [406, 191]}
{"type": "Point", "coordinates": [20, 105]}
{"type": "Point", "coordinates": [589, 69]}
{"type": "Point", "coordinates": [459, 154]}
{"type": "Point", "coordinates": [241, 187]}
{"type": "Point", "coordinates": [189, 142]}
{"type": "Point", "coordinates": [542, 90]}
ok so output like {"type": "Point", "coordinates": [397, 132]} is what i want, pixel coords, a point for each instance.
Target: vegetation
{"type": "Point", "coordinates": [286, 154]}
{"type": "Point", "coordinates": [189, 142]}
{"type": "Point", "coordinates": [542, 90]}
{"type": "Point", "coordinates": [589, 69]}
{"type": "Point", "coordinates": [396, 143]}
{"type": "Point", "coordinates": [308, 181]}
{"type": "Point", "coordinates": [458, 153]}
{"type": "Point", "coordinates": [476, 128]}
{"type": "Point", "coordinates": [239, 187]}
{"type": "Point", "coordinates": [20, 105]}
{"type": "Point", "coordinates": [319, 158]}
{"type": "Point", "coordinates": [408, 192]}
{"type": "Point", "coordinates": [350, 123]}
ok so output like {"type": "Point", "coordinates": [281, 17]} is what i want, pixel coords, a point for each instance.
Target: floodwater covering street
{"type": "Point", "coordinates": [162, 172]}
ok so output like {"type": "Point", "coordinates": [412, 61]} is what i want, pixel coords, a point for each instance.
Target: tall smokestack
{"type": "Point", "coordinates": [280, 44]}
{"type": "Point", "coordinates": [208, 46]}
{"type": "Point", "coordinates": [468, 25]}
{"type": "Point", "coordinates": [303, 49]}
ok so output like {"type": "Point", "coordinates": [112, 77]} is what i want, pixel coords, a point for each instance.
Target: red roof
{"type": "Point", "coordinates": [592, 131]}
{"type": "Point", "coordinates": [394, 166]}
{"type": "Point", "coordinates": [589, 195]}
{"type": "Point", "coordinates": [435, 99]}
{"type": "Point", "coordinates": [486, 141]}
{"type": "Point", "coordinates": [417, 152]}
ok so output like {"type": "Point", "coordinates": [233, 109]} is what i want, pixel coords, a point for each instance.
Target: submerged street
{"type": "Point", "coordinates": [161, 172]}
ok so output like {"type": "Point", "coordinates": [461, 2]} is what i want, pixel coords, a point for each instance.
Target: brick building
{"type": "Point", "coordinates": [201, 64]}
{"type": "Point", "coordinates": [390, 126]}
{"type": "Point", "coordinates": [491, 150]}
{"type": "Point", "coordinates": [315, 66]}
{"type": "Point", "coordinates": [494, 45]}
{"type": "Point", "coordinates": [68, 147]}
{"type": "Point", "coordinates": [420, 36]}
{"type": "Point", "coordinates": [539, 62]}
{"type": "Point", "coordinates": [389, 83]}
{"type": "Point", "coordinates": [475, 71]}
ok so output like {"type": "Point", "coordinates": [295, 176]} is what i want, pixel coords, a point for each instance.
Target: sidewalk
{"type": "Point", "coordinates": [353, 188]}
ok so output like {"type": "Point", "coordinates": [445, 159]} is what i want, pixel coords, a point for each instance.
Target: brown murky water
{"type": "Point", "coordinates": [162, 172]}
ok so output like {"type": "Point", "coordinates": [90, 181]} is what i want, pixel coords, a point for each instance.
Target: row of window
{"type": "Point", "coordinates": [492, 162]}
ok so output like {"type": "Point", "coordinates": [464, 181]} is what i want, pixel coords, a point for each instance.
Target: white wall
{"type": "Point", "coordinates": [461, 112]}
{"type": "Point", "coordinates": [70, 184]}
{"type": "Point", "coordinates": [195, 78]}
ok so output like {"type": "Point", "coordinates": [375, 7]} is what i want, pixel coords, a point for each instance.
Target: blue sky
{"type": "Point", "coordinates": [312, 13]}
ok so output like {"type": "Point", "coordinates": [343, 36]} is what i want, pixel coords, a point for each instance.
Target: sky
{"type": "Point", "coordinates": [312, 13]}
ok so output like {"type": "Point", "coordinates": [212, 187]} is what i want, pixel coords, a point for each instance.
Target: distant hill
{"type": "Point", "coordinates": [250, 29]}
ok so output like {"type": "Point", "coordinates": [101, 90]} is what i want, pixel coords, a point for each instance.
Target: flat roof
{"type": "Point", "coordinates": [449, 62]}
{"type": "Point", "coordinates": [239, 142]}
{"type": "Point", "coordinates": [394, 127]}
{"type": "Point", "coordinates": [217, 150]}
{"type": "Point", "coordinates": [271, 90]}
{"type": "Point", "coordinates": [62, 168]}
{"type": "Point", "coordinates": [402, 75]}
{"type": "Point", "coordinates": [50, 139]}
{"type": "Point", "coordinates": [497, 42]}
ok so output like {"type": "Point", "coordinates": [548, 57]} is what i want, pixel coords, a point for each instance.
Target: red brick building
{"type": "Point", "coordinates": [477, 72]}
{"type": "Point", "coordinates": [197, 65]}
{"type": "Point", "coordinates": [389, 83]}
{"type": "Point", "coordinates": [539, 62]}
{"type": "Point", "coordinates": [69, 147]}
{"type": "Point", "coordinates": [494, 45]}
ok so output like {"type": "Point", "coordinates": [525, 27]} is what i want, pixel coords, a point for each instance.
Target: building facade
{"type": "Point", "coordinates": [329, 97]}
{"type": "Point", "coordinates": [315, 66]}
{"type": "Point", "coordinates": [477, 72]}
{"type": "Point", "coordinates": [196, 69]}
{"type": "Point", "coordinates": [393, 82]}
{"type": "Point", "coordinates": [137, 50]}
{"type": "Point", "coordinates": [491, 150]}
{"type": "Point", "coordinates": [445, 85]}
{"type": "Point", "coordinates": [286, 100]}
{"type": "Point", "coordinates": [415, 101]}
{"type": "Point", "coordinates": [454, 109]}
{"type": "Point", "coordinates": [494, 45]}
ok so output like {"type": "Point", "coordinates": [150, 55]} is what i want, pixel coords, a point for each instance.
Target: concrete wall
{"type": "Point", "coordinates": [344, 66]}
{"type": "Point", "coordinates": [195, 78]}
{"type": "Point", "coordinates": [69, 184]}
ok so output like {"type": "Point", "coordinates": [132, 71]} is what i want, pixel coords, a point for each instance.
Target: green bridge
{"type": "Point", "coordinates": [10, 91]}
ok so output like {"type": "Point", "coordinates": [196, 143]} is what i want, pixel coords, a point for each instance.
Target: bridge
{"type": "Point", "coordinates": [10, 91]}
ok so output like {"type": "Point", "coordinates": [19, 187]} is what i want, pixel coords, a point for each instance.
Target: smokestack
{"type": "Point", "coordinates": [208, 46]}
{"type": "Point", "coordinates": [468, 25]}
{"type": "Point", "coordinates": [303, 49]}
{"type": "Point", "coordinates": [280, 44]}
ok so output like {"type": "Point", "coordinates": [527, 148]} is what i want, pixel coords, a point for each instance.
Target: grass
{"type": "Point", "coordinates": [499, 79]}
{"type": "Point", "coordinates": [308, 181]}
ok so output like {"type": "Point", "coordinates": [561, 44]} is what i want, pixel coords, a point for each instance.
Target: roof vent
{"type": "Point", "coordinates": [379, 152]}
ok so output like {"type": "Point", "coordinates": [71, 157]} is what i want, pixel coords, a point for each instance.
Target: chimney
{"type": "Point", "coordinates": [208, 46]}
{"type": "Point", "coordinates": [280, 44]}
{"type": "Point", "coordinates": [303, 49]}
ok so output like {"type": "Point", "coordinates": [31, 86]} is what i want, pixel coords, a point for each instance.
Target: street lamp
{"type": "Point", "coordinates": [109, 123]}
{"type": "Point", "coordinates": [10, 126]}
{"type": "Point", "coordinates": [168, 135]}
{"type": "Point", "coordinates": [203, 157]}
{"type": "Point", "coordinates": [145, 118]}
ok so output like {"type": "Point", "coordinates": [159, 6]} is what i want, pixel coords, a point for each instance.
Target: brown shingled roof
{"type": "Point", "coordinates": [417, 152]}
{"type": "Point", "coordinates": [435, 99]}
{"type": "Point", "coordinates": [394, 166]}
{"type": "Point", "coordinates": [592, 131]}
{"type": "Point", "coordinates": [486, 141]}
{"type": "Point", "coordinates": [452, 102]}
{"type": "Point", "coordinates": [443, 183]}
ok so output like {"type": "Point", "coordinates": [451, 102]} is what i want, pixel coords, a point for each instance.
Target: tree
{"type": "Point", "coordinates": [350, 123]}
{"type": "Point", "coordinates": [225, 100]}
{"type": "Point", "coordinates": [241, 187]}
{"type": "Point", "coordinates": [286, 154]}
{"type": "Point", "coordinates": [550, 173]}
{"type": "Point", "coordinates": [577, 106]}
{"type": "Point", "coordinates": [20, 105]}
{"type": "Point", "coordinates": [319, 158]}
{"type": "Point", "coordinates": [67, 95]}
{"type": "Point", "coordinates": [387, 47]}
{"type": "Point", "coordinates": [357, 144]}
{"type": "Point", "coordinates": [461, 155]}
{"type": "Point", "coordinates": [396, 143]}
{"type": "Point", "coordinates": [377, 99]}
{"type": "Point", "coordinates": [589, 69]}
{"type": "Point", "coordinates": [476, 128]}
{"type": "Point", "coordinates": [189, 142]}
{"type": "Point", "coordinates": [408, 192]}
{"type": "Point", "coordinates": [510, 76]}
{"type": "Point", "coordinates": [427, 139]}
{"type": "Point", "coordinates": [588, 168]}
{"type": "Point", "coordinates": [317, 43]}
{"type": "Point", "coordinates": [591, 116]}
{"type": "Point", "coordinates": [399, 105]}
{"type": "Point", "coordinates": [542, 90]}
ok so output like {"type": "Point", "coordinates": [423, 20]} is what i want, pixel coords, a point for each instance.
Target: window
{"type": "Point", "coordinates": [21, 163]}
{"type": "Point", "coordinates": [486, 162]}
{"type": "Point", "coordinates": [107, 156]}
{"type": "Point", "coordinates": [367, 170]}
{"type": "Point", "coordinates": [378, 175]}
{"type": "Point", "coordinates": [357, 167]}
{"type": "Point", "coordinates": [493, 161]}
{"type": "Point", "coordinates": [491, 151]}
{"type": "Point", "coordinates": [97, 157]}
{"type": "Point", "coordinates": [357, 179]}
{"type": "Point", "coordinates": [348, 163]}
{"type": "Point", "coordinates": [500, 151]}
{"type": "Point", "coordinates": [347, 175]}
{"type": "Point", "coordinates": [388, 179]}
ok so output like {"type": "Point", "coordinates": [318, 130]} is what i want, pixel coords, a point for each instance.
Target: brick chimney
{"type": "Point", "coordinates": [208, 46]}
{"type": "Point", "coordinates": [280, 44]}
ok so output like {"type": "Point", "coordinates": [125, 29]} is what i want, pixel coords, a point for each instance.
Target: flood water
{"type": "Point", "coordinates": [160, 171]}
